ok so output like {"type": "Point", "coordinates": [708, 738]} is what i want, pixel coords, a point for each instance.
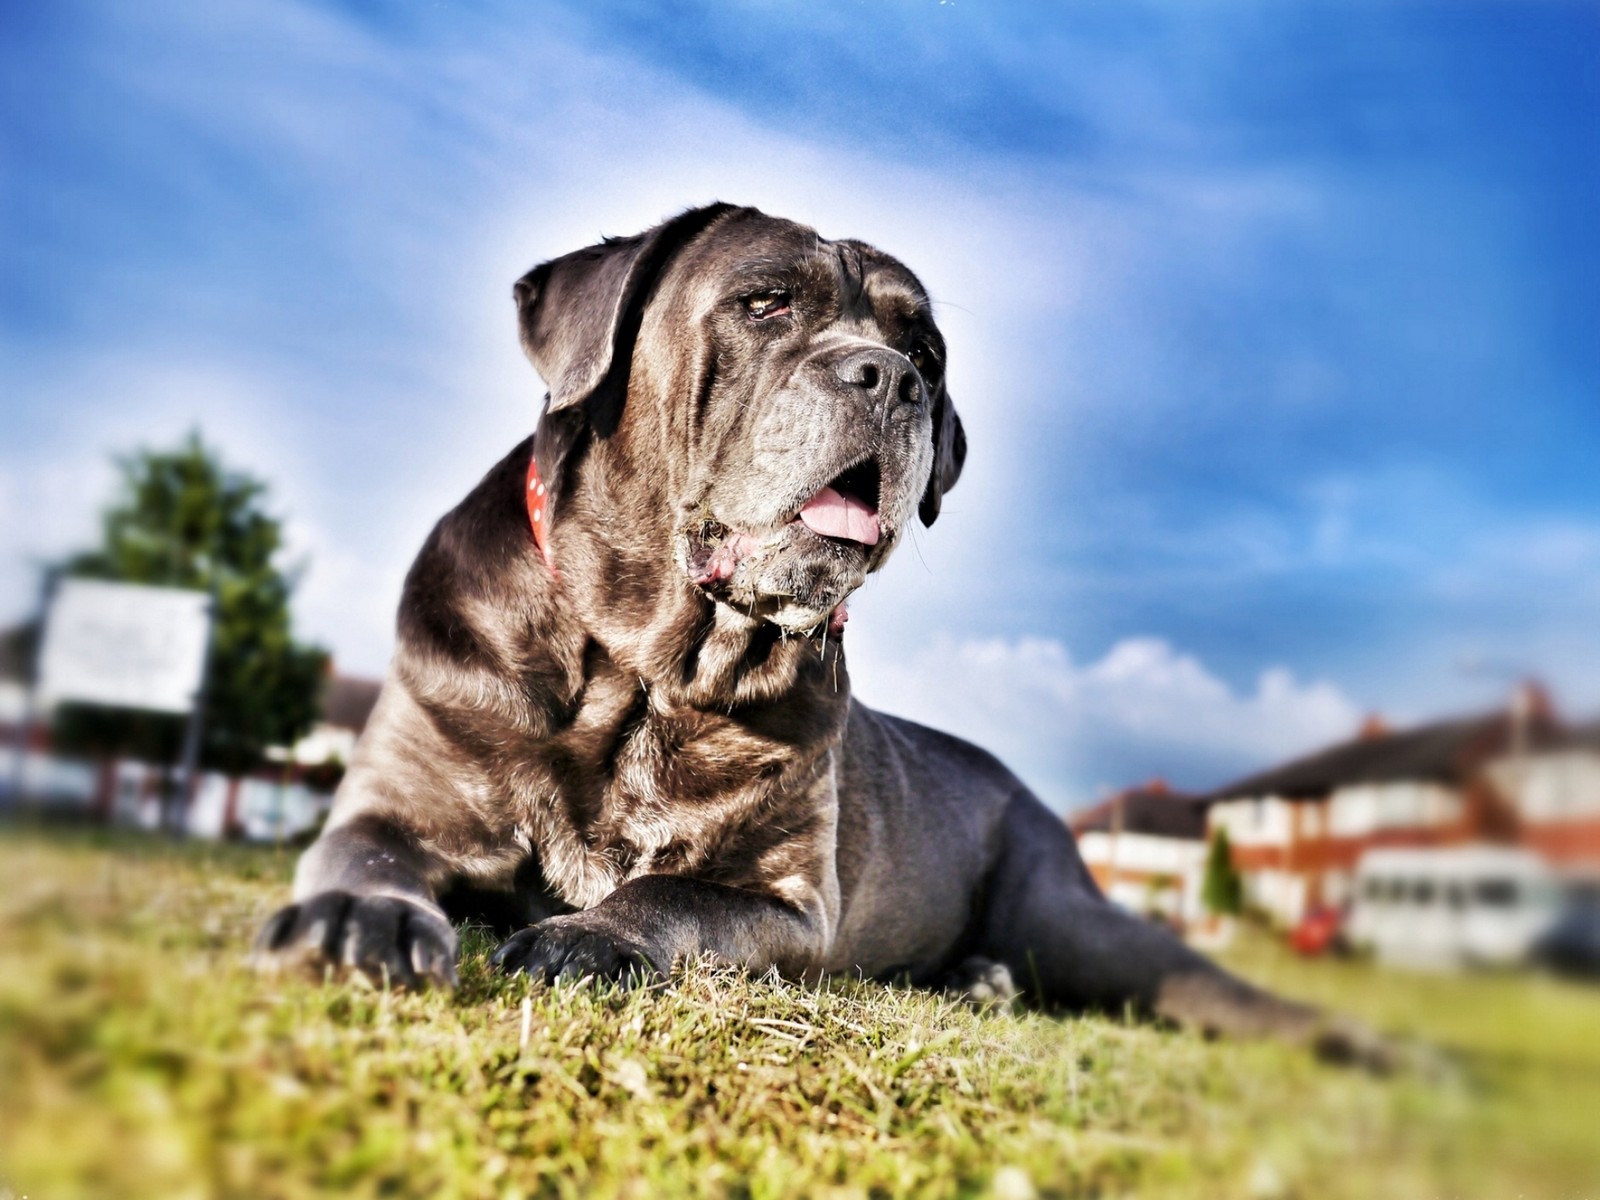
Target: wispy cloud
{"type": "Point", "coordinates": [1074, 729]}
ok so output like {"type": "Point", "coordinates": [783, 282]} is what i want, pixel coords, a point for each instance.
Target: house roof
{"type": "Point", "coordinates": [1449, 751]}
{"type": "Point", "coordinates": [1587, 736]}
{"type": "Point", "coordinates": [1152, 810]}
{"type": "Point", "coordinates": [348, 702]}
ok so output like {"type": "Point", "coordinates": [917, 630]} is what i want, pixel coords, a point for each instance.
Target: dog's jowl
{"type": "Point", "coordinates": [620, 706]}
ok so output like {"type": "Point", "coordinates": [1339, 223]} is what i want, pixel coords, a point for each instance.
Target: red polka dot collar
{"type": "Point", "coordinates": [538, 512]}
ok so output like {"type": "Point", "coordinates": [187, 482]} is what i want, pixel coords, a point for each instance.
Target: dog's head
{"type": "Point", "coordinates": [777, 401]}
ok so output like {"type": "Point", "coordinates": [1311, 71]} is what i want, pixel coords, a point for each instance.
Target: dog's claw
{"type": "Point", "coordinates": [385, 938]}
{"type": "Point", "coordinates": [563, 948]}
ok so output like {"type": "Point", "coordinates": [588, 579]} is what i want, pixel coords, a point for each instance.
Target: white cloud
{"type": "Point", "coordinates": [1071, 730]}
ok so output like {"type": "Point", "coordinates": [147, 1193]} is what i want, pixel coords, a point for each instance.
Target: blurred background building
{"type": "Point", "coordinates": [1146, 848]}
{"type": "Point", "coordinates": [1452, 842]}
{"type": "Point", "coordinates": [284, 798]}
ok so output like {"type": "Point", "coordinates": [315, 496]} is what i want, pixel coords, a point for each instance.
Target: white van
{"type": "Point", "coordinates": [1450, 907]}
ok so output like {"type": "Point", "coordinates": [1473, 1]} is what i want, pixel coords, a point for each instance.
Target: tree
{"type": "Point", "coordinates": [183, 519]}
{"type": "Point", "coordinates": [1222, 890]}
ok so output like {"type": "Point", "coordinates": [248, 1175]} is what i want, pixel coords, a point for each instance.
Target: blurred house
{"type": "Point", "coordinates": [1452, 906]}
{"type": "Point", "coordinates": [1146, 849]}
{"type": "Point", "coordinates": [296, 798]}
{"type": "Point", "coordinates": [1556, 792]}
{"type": "Point", "coordinates": [1512, 778]}
{"type": "Point", "coordinates": [346, 705]}
{"type": "Point", "coordinates": [288, 796]}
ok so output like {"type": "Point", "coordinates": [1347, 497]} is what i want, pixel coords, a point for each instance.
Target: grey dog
{"type": "Point", "coordinates": [619, 701]}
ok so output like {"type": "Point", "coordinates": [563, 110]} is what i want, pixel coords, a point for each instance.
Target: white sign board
{"type": "Point", "coordinates": [125, 645]}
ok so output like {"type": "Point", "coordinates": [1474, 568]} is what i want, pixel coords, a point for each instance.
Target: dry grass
{"type": "Point", "coordinates": [139, 1058]}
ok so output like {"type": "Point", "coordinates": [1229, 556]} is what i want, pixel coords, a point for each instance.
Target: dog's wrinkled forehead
{"type": "Point", "coordinates": [847, 280]}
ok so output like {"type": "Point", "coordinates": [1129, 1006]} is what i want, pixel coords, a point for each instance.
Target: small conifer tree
{"type": "Point", "coordinates": [1222, 890]}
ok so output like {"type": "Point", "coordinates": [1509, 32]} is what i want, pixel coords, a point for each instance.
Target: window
{"type": "Point", "coordinates": [1495, 893]}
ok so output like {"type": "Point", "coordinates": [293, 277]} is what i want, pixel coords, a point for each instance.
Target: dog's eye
{"type": "Point", "coordinates": [921, 356]}
{"type": "Point", "coordinates": [761, 305]}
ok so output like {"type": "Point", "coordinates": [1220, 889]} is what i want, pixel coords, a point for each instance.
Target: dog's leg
{"type": "Point", "coordinates": [640, 930]}
{"type": "Point", "coordinates": [364, 899]}
{"type": "Point", "coordinates": [1066, 944]}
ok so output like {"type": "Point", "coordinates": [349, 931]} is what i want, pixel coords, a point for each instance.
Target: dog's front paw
{"type": "Point", "coordinates": [384, 937]}
{"type": "Point", "coordinates": [567, 947]}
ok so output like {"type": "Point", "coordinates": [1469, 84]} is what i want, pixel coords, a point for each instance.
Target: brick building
{"type": "Point", "coordinates": [1517, 777]}
{"type": "Point", "coordinates": [1146, 849]}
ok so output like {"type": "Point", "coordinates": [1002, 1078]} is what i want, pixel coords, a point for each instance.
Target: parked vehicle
{"type": "Point", "coordinates": [1318, 932]}
{"type": "Point", "coordinates": [1450, 907]}
{"type": "Point", "coordinates": [1572, 945]}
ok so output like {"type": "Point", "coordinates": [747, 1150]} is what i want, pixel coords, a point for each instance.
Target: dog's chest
{"type": "Point", "coordinates": [638, 786]}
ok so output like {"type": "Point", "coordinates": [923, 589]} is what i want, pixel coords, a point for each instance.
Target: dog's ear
{"type": "Point", "coordinates": [580, 313]}
{"type": "Point", "coordinates": [579, 316]}
{"type": "Point", "coordinates": [949, 453]}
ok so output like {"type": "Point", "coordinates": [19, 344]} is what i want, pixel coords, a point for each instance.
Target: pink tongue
{"type": "Point", "coordinates": [833, 515]}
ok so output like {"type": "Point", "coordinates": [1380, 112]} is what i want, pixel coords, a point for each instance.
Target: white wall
{"type": "Point", "coordinates": [1180, 858]}
{"type": "Point", "coordinates": [1556, 786]}
{"type": "Point", "coordinates": [13, 701]}
{"type": "Point", "coordinates": [1281, 894]}
{"type": "Point", "coordinates": [325, 743]}
{"type": "Point", "coordinates": [275, 811]}
{"type": "Point", "coordinates": [1261, 821]}
{"type": "Point", "coordinates": [50, 779]}
{"type": "Point", "coordinates": [1362, 809]}
{"type": "Point", "coordinates": [1141, 852]}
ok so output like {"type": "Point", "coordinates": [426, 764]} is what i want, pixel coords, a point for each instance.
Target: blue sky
{"type": "Point", "coordinates": [1276, 327]}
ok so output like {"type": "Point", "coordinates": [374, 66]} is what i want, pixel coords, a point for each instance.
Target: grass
{"type": "Point", "coordinates": [138, 1057]}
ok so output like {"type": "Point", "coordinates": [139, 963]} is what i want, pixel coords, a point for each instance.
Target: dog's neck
{"type": "Point", "coordinates": [616, 568]}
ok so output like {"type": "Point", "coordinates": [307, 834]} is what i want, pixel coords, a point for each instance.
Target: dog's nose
{"type": "Point", "coordinates": [882, 374]}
